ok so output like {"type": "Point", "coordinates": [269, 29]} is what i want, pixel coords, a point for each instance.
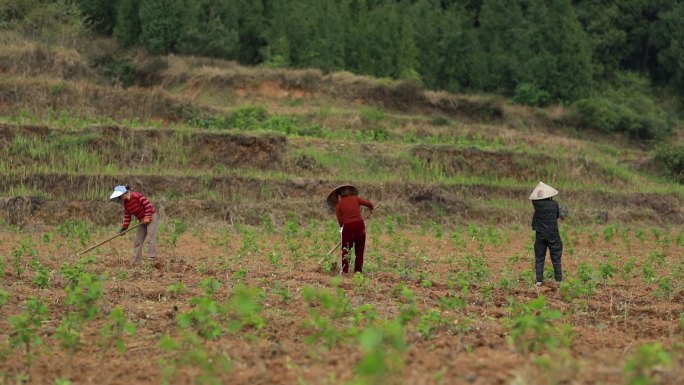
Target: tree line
{"type": "Point", "coordinates": [539, 50]}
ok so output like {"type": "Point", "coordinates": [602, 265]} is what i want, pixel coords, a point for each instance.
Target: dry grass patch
{"type": "Point", "coordinates": [25, 58]}
{"type": "Point", "coordinates": [40, 96]}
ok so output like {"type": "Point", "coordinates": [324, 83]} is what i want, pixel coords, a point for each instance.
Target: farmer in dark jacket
{"type": "Point", "coordinates": [545, 224]}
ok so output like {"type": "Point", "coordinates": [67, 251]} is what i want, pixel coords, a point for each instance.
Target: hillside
{"type": "Point", "coordinates": [241, 143]}
{"type": "Point", "coordinates": [246, 289]}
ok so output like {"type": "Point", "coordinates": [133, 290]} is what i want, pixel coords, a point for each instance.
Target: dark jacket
{"type": "Point", "coordinates": [545, 218]}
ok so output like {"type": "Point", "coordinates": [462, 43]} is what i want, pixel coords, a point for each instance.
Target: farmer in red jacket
{"type": "Point", "coordinates": [137, 205]}
{"type": "Point", "coordinates": [348, 209]}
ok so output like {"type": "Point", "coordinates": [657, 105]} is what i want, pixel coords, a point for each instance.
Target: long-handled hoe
{"type": "Point", "coordinates": [107, 240]}
{"type": "Point", "coordinates": [340, 241]}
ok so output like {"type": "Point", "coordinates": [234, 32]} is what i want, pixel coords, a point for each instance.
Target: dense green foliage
{"type": "Point", "coordinates": [625, 104]}
{"type": "Point", "coordinates": [536, 51]}
{"type": "Point", "coordinates": [671, 159]}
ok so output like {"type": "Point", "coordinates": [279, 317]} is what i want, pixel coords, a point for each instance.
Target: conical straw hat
{"type": "Point", "coordinates": [543, 191]}
{"type": "Point", "coordinates": [332, 196]}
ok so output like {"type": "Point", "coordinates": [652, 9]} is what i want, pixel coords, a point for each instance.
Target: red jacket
{"type": "Point", "coordinates": [348, 209]}
{"type": "Point", "coordinates": [137, 206]}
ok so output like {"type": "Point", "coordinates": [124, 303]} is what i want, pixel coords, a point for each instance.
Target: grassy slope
{"type": "Point", "coordinates": [336, 127]}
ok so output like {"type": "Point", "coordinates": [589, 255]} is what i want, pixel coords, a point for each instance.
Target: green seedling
{"type": "Point", "coordinates": [69, 335]}
{"type": "Point", "coordinates": [574, 288]}
{"type": "Point", "coordinates": [75, 229]}
{"type": "Point", "coordinates": [665, 288]}
{"type": "Point", "coordinates": [284, 293]}
{"type": "Point", "coordinates": [428, 323]}
{"type": "Point", "coordinates": [585, 272]}
{"type": "Point", "coordinates": [25, 327]}
{"type": "Point", "coordinates": [26, 251]}
{"type": "Point", "coordinates": [628, 268]}
{"type": "Point", "coordinates": [291, 226]}
{"type": "Point", "coordinates": [42, 275]}
{"type": "Point", "coordinates": [361, 282]}
{"type": "Point", "coordinates": [82, 307]}
{"type": "Point", "coordinates": [175, 230]}
{"type": "Point", "coordinates": [113, 331]}
{"type": "Point", "coordinates": [532, 326]}
{"type": "Point", "coordinates": [648, 273]}
{"type": "Point", "coordinates": [643, 367]}
{"type": "Point", "coordinates": [326, 311]}
{"type": "Point", "coordinates": [203, 318]}
{"type": "Point", "coordinates": [189, 351]}
{"type": "Point", "coordinates": [640, 234]}
{"type": "Point", "coordinates": [275, 257]}
{"type": "Point", "coordinates": [267, 224]}
{"type": "Point", "coordinates": [609, 232]}
{"type": "Point", "coordinates": [176, 289]}
{"type": "Point", "coordinates": [454, 302]}
{"type": "Point", "coordinates": [607, 270]}
{"type": "Point", "coordinates": [656, 258]}
{"type": "Point", "coordinates": [244, 308]}
{"type": "Point", "coordinates": [382, 346]}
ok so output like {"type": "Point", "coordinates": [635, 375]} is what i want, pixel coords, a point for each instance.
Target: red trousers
{"type": "Point", "coordinates": [353, 235]}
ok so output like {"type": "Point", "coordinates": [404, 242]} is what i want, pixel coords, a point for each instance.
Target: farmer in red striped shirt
{"type": "Point", "coordinates": [137, 205]}
{"type": "Point", "coordinates": [348, 210]}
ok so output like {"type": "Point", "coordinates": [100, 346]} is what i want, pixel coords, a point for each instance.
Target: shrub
{"type": "Point", "coordinates": [627, 107]}
{"type": "Point", "coordinates": [249, 117]}
{"type": "Point", "coordinates": [51, 22]}
{"type": "Point", "coordinates": [281, 124]}
{"type": "Point", "coordinates": [670, 160]}
{"type": "Point", "coordinates": [530, 95]}
{"type": "Point", "coordinates": [120, 70]}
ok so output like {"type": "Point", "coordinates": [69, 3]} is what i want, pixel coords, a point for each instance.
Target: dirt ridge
{"type": "Point", "coordinates": [248, 199]}
{"type": "Point", "coordinates": [126, 146]}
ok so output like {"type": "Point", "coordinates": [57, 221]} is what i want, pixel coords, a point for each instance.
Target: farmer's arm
{"type": "Point", "coordinates": [147, 205]}
{"type": "Point", "coordinates": [338, 213]}
{"type": "Point", "coordinates": [366, 203]}
{"type": "Point", "coordinates": [126, 219]}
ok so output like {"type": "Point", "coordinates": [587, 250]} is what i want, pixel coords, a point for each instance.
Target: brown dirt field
{"type": "Point", "coordinates": [608, 326]}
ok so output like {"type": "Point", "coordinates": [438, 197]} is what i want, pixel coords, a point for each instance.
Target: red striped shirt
{"type": "Point", "coordinates": [138, 206]}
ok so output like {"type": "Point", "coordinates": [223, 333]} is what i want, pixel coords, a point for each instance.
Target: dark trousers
{"type": "Point", "coordinates": [353, 235]}
{"type": "Point", "coordinates": [555, 246]}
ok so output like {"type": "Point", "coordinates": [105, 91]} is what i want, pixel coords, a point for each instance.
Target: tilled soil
{"type": "Point", "coordinates": [624, 312]}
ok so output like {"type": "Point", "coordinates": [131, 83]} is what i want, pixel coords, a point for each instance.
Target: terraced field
{"type": "Point", "coordinates": [238, 163]}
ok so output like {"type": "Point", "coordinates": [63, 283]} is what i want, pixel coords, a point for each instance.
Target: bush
{"type": "Point", "coordinates": [121, 71]}
{"type": "Point", "coordinates": [51, 22]}
{"type": "Point", "coordinates": [281, 124]}
{"type": "Point", "coordinates": [249, 117]}
{"type": "Point", "coordinates": [670, 159]}
{"type": "Point", "coordinates": [627, 107]}
{"type": "Point", "coordinates": [531, 95]}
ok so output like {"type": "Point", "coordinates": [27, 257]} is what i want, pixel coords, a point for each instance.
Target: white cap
{"type": "Point", "coordinates": [118, 191]}
{"type": "Point", "coordinates": [543, 191]}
